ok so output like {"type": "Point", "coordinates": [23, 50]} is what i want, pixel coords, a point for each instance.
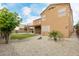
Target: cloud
{"type": "Point", "coordinates": [33, 12]}
{"type": "Point", "coordinates": [26, 10]}
{"type": "Point", "coordinates": [2, 6]}
{"type": "Point", "coordinates": [30, 19]}
{"type": "Point", "coordinates": [75, 9]}
{"type": "Point", "coordinates": [10, 4]}
{"type": "Point", "coordinates": [75, 6]}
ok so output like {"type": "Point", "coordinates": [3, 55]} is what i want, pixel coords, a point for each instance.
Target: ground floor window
{"type": "Point", "coordinates": [46, 28]}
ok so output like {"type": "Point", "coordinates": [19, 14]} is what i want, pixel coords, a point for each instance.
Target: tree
{"type": "Point", "coordinates": [8, 22]}
{"type": "Point", "coordinates": [77, 25]}
{"type": "Point", "coordinates": [77, 29]}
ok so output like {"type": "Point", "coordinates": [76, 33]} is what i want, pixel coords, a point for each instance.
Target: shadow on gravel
{"type": "Point", "coordinates": [13, 41]}
{"type": "Point", "coordinates": [2, 41]}
{"type": "Point", "coordinates": [77, 36]}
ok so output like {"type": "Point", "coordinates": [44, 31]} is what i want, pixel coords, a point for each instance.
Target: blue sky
{"type": "Point", "coordinates": [31, 11]}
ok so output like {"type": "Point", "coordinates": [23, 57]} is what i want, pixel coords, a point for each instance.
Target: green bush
{"type": "Point", "coordinates": [55, 35]}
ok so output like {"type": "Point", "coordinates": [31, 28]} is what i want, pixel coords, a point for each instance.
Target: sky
{"type": "Point", "coordinates": [31, 11]}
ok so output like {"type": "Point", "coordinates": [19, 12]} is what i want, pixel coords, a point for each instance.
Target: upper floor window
{"type": "Point", "coordinates": [62, 12]}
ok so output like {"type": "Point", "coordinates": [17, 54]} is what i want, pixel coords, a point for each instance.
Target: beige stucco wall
{"type": "Point", "coordinates": [55, 21]}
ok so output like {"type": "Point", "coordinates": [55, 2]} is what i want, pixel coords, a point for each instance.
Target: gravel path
{"type": "Point", "coordinates": [42, 47]}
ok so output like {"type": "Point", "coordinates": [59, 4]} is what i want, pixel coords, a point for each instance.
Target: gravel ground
{"type": "Point", "coordinates": [42, 47]}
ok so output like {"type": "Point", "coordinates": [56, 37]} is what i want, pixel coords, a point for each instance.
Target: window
{"type": "Point", "coordinates": [62, 12]}
{"type": "Point", "coordinates": [46, 28]}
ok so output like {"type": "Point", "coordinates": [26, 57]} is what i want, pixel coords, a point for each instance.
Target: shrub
{"type": "Point", "coordinates": [55, 35]}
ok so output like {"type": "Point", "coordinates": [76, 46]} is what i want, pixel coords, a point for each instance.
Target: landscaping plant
{"type": "Point", "coordinates": [55, 35]}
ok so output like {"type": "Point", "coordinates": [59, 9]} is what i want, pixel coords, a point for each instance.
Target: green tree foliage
{"type": "Point", "coordinates": [77, 25]}
{"type": "Point", "coordinates": [8, 22]}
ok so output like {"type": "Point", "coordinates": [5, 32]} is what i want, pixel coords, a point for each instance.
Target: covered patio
{"type": "Point", "coordinates": [36, 29]}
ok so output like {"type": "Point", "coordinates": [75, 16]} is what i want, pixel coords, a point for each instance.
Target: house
{"type": "Point", "coordinates": [29, 29]}
{"type": "Point", "coordinates": [20, 29]}
{"type": "Point", "coordinates": [57, 17]}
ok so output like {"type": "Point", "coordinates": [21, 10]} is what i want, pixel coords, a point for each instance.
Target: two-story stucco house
{"type": "Point", "coordinates": [57, 17]}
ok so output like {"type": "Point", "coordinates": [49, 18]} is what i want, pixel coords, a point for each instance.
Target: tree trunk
{"type": "Point", "coordinates": [6, 35]}
{"type": "Point", "coordinates": [6, 39]}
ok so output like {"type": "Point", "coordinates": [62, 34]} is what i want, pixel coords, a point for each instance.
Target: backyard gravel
{"type": "Point", "coordinates": [41, 47]}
